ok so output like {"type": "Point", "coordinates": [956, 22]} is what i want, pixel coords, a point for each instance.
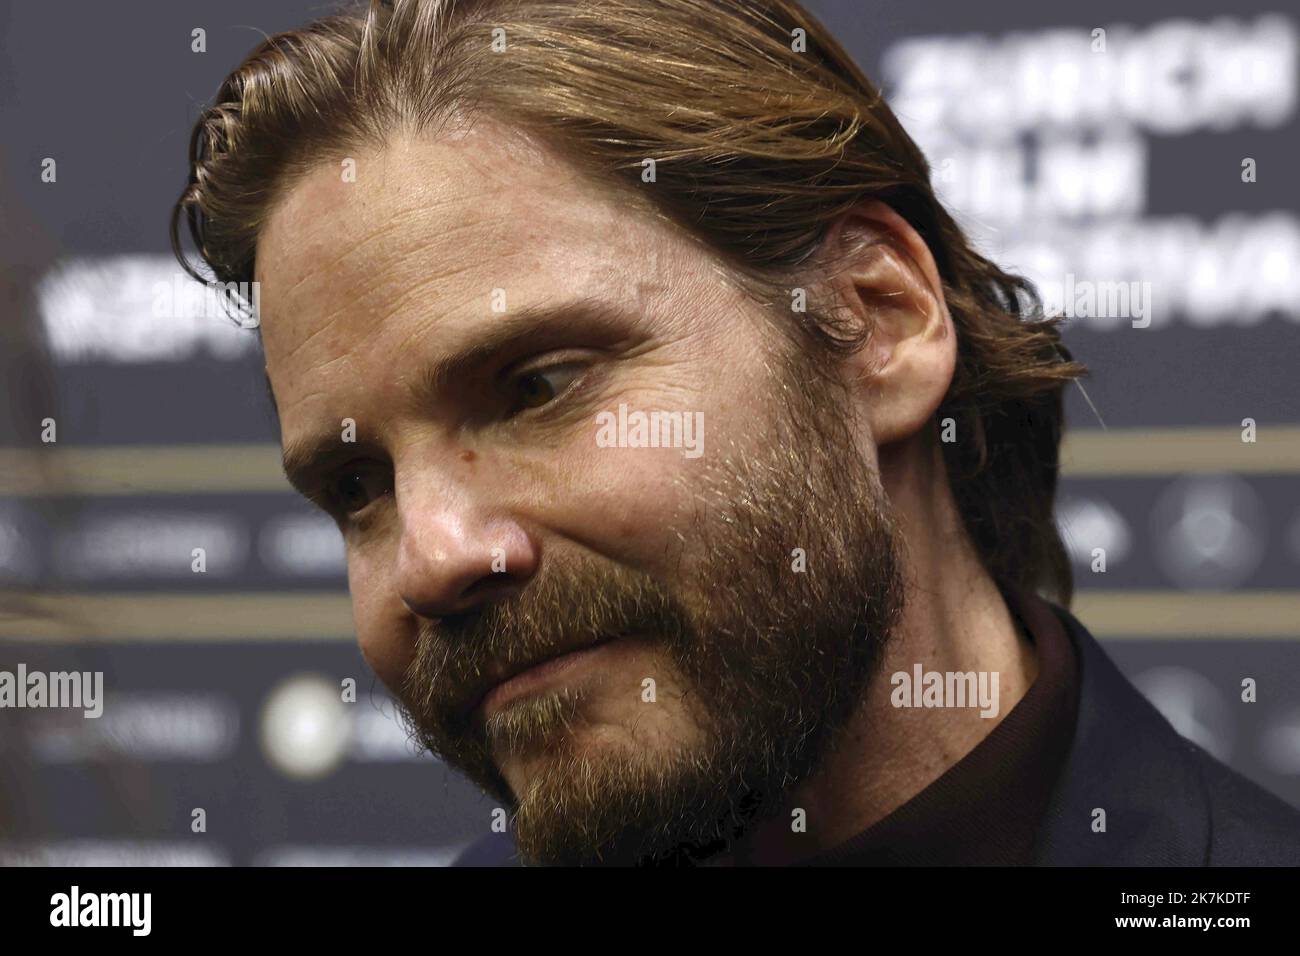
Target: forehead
{"type": "Point", "coordinates": [425, 240]}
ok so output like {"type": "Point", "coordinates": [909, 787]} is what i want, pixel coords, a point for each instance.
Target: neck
{"type": "Point", "coordinates": [954, 620]}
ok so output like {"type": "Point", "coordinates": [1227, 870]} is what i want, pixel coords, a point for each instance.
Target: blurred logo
{"type": "Point", "coordinates": [1090, 523]}
{"type": "Point", "coordinates": [1209, 531]}
{"type": "Point", "coordinates": [306, 727]}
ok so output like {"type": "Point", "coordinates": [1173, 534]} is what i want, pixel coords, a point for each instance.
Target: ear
{"type": "Point", "coordinates": [884, 273]}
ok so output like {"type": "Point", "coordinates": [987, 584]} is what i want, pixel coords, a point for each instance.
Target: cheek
{"type": "Point", "coordinates": [624, 503]}
{"type": "Point", "coordinates": [385, 629]}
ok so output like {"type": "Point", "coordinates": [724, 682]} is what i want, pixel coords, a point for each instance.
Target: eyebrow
{"type": "Point", "coordinates": [312, 455]}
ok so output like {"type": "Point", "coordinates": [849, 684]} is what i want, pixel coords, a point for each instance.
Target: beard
{"type": "Point", "coordinates": [775, 622]}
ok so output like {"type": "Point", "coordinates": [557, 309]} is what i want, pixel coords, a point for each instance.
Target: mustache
{"type": "Point", "coordinates": [570, 604]}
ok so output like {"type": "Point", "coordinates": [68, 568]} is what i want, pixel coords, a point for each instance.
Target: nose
{"type": "Point", "coordinates": [453, 558]}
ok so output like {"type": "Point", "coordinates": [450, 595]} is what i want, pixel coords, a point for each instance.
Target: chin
{"type": "Point", "coordinates": [596, 738]}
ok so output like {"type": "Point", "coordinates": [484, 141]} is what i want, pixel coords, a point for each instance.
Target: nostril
{"type": "Point", "coordinates": [493, 585]}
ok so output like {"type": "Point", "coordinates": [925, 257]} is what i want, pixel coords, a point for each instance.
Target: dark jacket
{"type": "Point", "coordinates": [1167, 802]}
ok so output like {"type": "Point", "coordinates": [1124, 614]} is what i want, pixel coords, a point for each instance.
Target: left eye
{"type": "Point", "coordinates": [536, 388]}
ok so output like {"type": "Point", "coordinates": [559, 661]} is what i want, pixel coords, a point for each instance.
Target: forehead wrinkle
{"type": "Point", "coordinates": [420, 203]}
{"type": "Point", "coordinates": [348, 304]}
{"type": "Point", "coordinates": [421, 331]}
{"type": "Point", "coordinates": [392, 309]}
{"type": "Point", "coordinates": [421, 200]}
{"type": "Point", "coordinates": [390, 223]}
{"type": "Point", "coordinates": [467, 301]}
{"type": "Point", "coordinates": [324, 392]}
{"type": "Point", "coordinates": [417, 288]}
{"type": "Point", "coordinates": [326, 322]}
{"type": "Point", "coordinates": [308, 396]}
{"type": "Point", "coordinates": [379, 277]}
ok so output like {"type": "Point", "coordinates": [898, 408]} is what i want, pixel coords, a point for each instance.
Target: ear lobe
{"type": "Point", "coordinates": [889, 280]}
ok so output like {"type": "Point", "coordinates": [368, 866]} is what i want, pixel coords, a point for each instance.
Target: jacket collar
{"type": "Point", "coordinates": [1127, 761]}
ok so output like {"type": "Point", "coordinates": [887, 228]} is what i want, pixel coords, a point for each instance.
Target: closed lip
{"type": "Point", "coordinates": [498, 675]}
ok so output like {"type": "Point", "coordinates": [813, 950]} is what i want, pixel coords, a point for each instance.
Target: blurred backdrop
{"type": "Point", "coordinates": [1137, 163]}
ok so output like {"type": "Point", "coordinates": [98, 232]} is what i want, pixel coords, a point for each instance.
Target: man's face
{"type": "Point", "coordinates": [493, 322]}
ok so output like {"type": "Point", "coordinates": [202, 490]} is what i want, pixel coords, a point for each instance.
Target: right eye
{"type": "Point", "coordinates": [354, 488]}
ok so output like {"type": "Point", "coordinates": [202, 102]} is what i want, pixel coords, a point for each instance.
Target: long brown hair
{"type": "Point", "coordinates": [763, 132]}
